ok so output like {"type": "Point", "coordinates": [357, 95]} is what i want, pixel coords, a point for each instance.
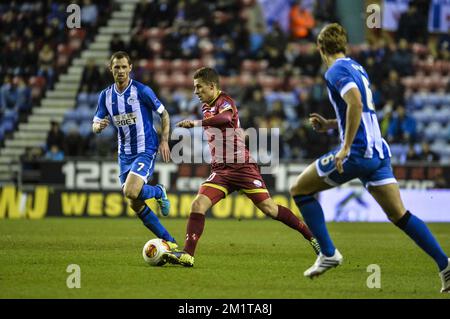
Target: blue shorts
{"type": "Point", "coordinates": [141, 165]}
{"type": "Point", "coordinates": [370, 171]}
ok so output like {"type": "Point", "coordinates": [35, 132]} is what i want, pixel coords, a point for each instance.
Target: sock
{"type": "Point", "coordinates": [313, 215]}
{"type": "Point", "coordinates": [152, 222]}
{"type": "Point", "coordinates": [194, 230]}
{"type": "Point", "coordinates": [288, 218]}
{"type": "Point", "coordinates": [415, 228]}
{"type": "Point", "coordinates": [149, 191]}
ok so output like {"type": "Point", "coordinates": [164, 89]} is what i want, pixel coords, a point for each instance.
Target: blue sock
{"type": "Point", "coordinates": [416, 229]}
{"type": "Point", "coordinates": [313, 215]}
{"type": "Point", "coordinates": [152, 222]}
{"type": "Point", "coordinates": [149, 191]}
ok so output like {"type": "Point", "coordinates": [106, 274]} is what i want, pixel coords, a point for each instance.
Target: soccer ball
{"type": "Point", "coordinates": [153, 251]}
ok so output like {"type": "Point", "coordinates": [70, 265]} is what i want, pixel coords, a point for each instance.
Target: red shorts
{"type": "Point", "coordinates": [238, 177]}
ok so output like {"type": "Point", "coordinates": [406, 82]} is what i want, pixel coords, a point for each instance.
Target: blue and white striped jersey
{"type": "Point", "coordinates": [343, 75]}
{"type": "Point", "coordinates": [131, 113]}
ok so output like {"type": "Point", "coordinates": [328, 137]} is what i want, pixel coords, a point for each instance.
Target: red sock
{"type": "Point", "coordinates": [288, 218]}
{"type": "Point", "coordinates": [194, 230]}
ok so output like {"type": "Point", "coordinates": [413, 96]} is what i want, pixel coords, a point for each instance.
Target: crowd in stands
{"type": "Point", "coordinates": [35, 47]}
{"type": "Point", "coordinates": [275, 74]}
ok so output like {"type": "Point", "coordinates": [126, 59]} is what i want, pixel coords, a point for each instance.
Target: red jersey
{"type": "Point", "coordinates": [227, 141]}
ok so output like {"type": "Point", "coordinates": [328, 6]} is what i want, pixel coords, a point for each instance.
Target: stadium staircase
{"type": "Point", "coordinates": [63, 96]}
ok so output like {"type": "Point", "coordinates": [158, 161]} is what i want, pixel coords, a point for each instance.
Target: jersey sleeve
{"type": "Point", "coordinates": [101, 111]}
{"type": "Point", "coordinates": [225, 105]}
{"type": "Point", "coordinates": [150, 99]}
{"type": "Point", "coordinates": [341, 79]}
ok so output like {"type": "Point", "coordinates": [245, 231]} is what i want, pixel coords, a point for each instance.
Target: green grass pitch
{"type": "Point", "coordinates": [235, 259]}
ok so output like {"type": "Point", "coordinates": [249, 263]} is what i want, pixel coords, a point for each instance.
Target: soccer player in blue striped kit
{"type": "Point", "coordinates": [363, 154]}
{"type": "Point", "coordinates": [130, 105]}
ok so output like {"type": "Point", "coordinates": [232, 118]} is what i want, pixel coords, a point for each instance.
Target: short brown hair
{"type": "Point", "coordinates": [119, 55]}
{"type": "Point", "coordinates": [208, 75]}
{"type": "Point", "coordinates": [332, 39]}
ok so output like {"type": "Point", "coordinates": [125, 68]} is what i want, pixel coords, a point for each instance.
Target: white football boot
{"type": "Point", "coordinates": [445, 278]}
{"type": "Point", "coordinates": [324, 263]}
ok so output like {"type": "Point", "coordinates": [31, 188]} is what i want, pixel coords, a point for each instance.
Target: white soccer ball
{"type": "Point", "coordinates": [153, 251]}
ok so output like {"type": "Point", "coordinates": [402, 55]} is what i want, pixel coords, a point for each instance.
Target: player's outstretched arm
{"type": "Point", "coordinates": [165, 130]}
{"type": "Point", "coordinates": [321, 124]}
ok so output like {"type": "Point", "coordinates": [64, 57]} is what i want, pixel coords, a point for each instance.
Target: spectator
{"type": "Point", "coordinates": [15, 95]}
{"type": "Point", "coordinates": [412, 25]}
{"type": "Point", "coordinates": [73, 143]}
{"type": "Point", "coordinates": [402, 128]}
{"type": "Point", "coordinates": [275, 44]}
{"type": "Point", "coordinates": [256, 25]}
{"type": "Point", "coordinates": [116, 44]}
{"type": "Point", "coordinates": [91, 75]}
{"type": "Point", "coordinates": [392, 89]}
{"type": "Point", "coordinates": [310, 62]}
{"type": "Point", "coordinates": [55, 136]}
{"type": "Point", "coordinates": [165, 11]}
{"type": "Point", "coordinates": [427, 154]}
{"type": "Point", "coordinates": [45, 64]}
{"type": "Point", "coordinates": [386, 118]}
{"type": "Point", "coordinates": [138, 48]}
{"type": "Point", "coordinates": [195, 13]}
{"type": "Point", "coordinates": [402, 59]}
{"type": "Point", "coordinates": [301, 22]}
{"type": "Point", "coordinates": [89, 14]}
{"type": "Point", "coordinates": [411, 154]}
{"type": "Point", "coordinates": [54, 154]}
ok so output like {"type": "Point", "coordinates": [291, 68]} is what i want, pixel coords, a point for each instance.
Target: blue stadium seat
{"type": "Point", "coordinates": [93, 100]}
{"type": "Point", "coordinates": [8, 125]}
{"type": "Point", "coordinates": [433, 130]}
{"type": "Point", "coordinates": [84, 113]}
{"type": "Point", "coordinates": [85, 129]}
{"type": "Point", "coordinates": [11, 115]}
{"type": "Point", "coordinates": [69, 125]}
{"type": "Point", "coordinates": [71, 116]}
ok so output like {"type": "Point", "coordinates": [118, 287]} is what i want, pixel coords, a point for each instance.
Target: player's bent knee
{"type": "Point", "coordinates": [198, 207]}
{"type": "Point", "coordinates": [131, 192]}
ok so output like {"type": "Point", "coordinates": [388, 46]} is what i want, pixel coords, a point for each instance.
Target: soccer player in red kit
{"type": "Point", "coordinates": [232, 168]}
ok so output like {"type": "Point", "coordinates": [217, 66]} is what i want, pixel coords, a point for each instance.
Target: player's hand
{"type": "Point", "coordinates": [185, 124]}
{"type": "Point", "coordinates": [101, 125]}
{"type": "Point", "coordinates": [339, 159]}
{"type": "Point", "coordinates": [318, 122]}
{"type": "Point", "coordinates": [164, 150]}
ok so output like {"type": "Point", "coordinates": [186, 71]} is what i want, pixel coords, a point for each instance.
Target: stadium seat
{"type": "Point", "coordinates": [71, 116]}
{"type": "Point", "coordinates": [433, 130]}
{"type": "Point", "coordinates": [69, 125]}
{"type": "Point", "coordinates": [180, 65]}
{"type": "Point", "coordinates": [85, 129]}
{"type": "Point", "coordinates": [8, 125]}
{"type": "Point", "coordinates": [84, 113]}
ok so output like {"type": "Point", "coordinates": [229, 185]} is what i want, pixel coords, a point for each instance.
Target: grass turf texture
{"type": "Point", "coordinates": [235, 259]}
